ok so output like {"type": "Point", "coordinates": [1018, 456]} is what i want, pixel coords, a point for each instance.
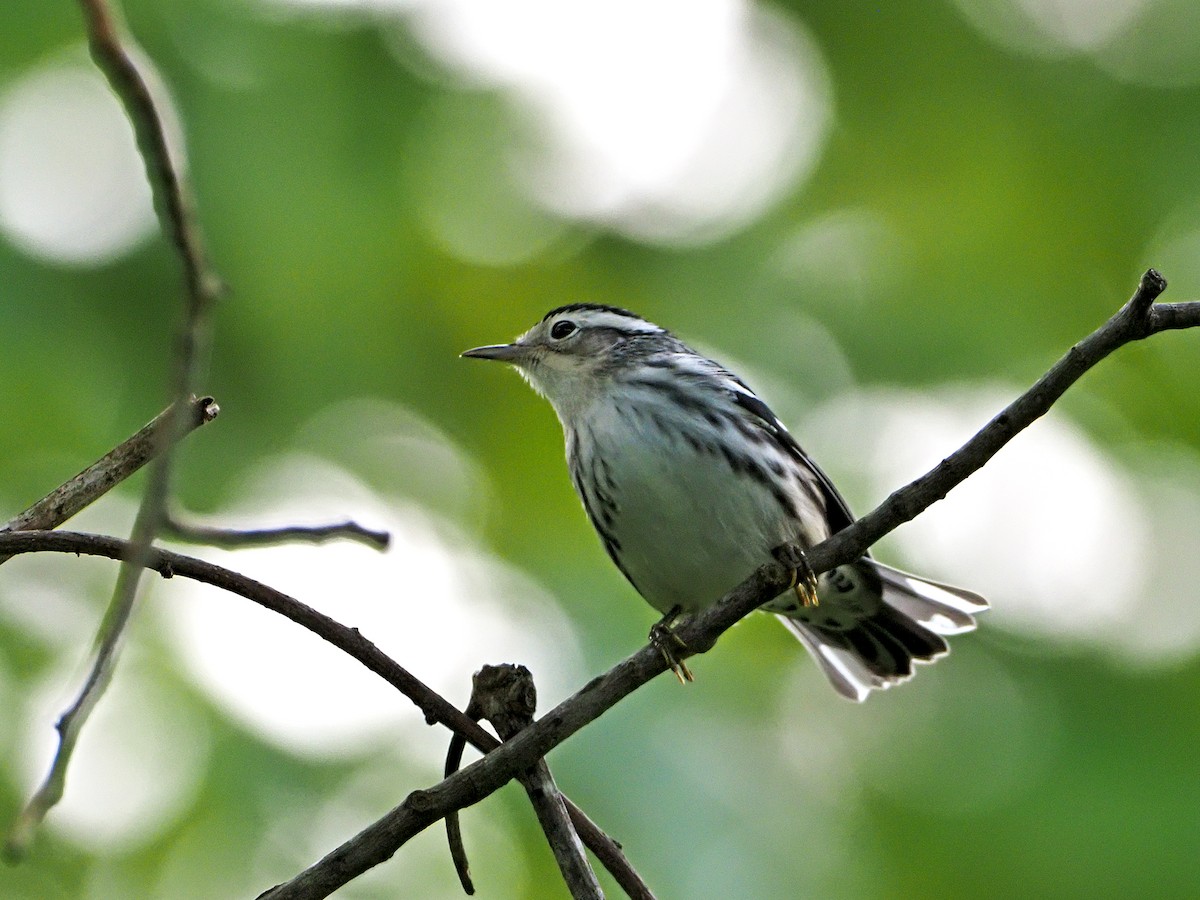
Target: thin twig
{"type": "Point", "coordinates": [458, 850]}
{"type": "Point", "coordinates": [51, 511]}
{"type": "Point", "coordinates": [505, 695]}
{"type": "Point", "coordinates": [172, 195]}
{"type": "Point", "coordinates": [378, 842]}
{"type": "Point", "coordinates": [239, 538]}
{"type": "Point", "coordinates": [202, 287]}
{"type": "Point", "coordinates": [107, 472]}
{"type": "Point", "coordinates": [350, 641]}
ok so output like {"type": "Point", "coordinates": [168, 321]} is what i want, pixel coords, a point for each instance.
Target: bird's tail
{"type": "Point", "coordinates": [873, 622]}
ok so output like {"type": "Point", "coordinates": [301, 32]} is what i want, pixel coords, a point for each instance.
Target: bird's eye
{"type": "Point", "coordinates": [562, 329]}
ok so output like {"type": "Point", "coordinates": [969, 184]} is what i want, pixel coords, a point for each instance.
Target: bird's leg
{"type": "Point", "coordinates": [804, 580]}
{"type": "Point", "coordinates": [669, 644]}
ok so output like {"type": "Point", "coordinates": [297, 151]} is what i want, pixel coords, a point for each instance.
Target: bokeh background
{"type": "Point", "coordinates": [889, 217]}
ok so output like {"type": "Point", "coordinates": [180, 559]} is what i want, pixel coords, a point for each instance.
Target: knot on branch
{"type": "Point", "coordinates": [1149, 289]}
{"type": "Point", "coordinates": [204, 410]}
{"type": "Point", "coordinates": [504, 695]}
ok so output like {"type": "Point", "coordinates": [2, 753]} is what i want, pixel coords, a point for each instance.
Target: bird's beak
{"type": "Point", "coordinates": [503, 352]}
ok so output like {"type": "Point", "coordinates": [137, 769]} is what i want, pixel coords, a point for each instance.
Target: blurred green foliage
{"type": "Point", "coordinates": [1024, 196]}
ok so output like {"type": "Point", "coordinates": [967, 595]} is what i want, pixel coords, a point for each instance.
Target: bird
{"type": "Point", "coordinates": [692, 483]}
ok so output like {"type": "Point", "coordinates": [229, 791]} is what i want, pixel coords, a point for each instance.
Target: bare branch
{"type": "Point", "coordinates": [1136, 320]}
{"type": "Point", "coordinates": [107, 472]}
{"type": "Point", "coordinates": [435, 708]}
{"type": "Point", "coordinates": [173, 202]}
{"type": "Point", "coordinates": [171, 193]}
{"type": "Point", "coordinates": [458, 850]}
{"type": "Point", "coordinates": [238, 539]}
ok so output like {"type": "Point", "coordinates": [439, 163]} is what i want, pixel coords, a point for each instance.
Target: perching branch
{"type": "Point", "coordinates": [1138, 319]}
{"type": "Point", "coordinates": [239, 538]}
{"type": "Point", "coordinates": [350, 641]}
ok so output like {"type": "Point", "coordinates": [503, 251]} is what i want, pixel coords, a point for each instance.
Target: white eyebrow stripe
{"type": "Point", "coordinates": [599, 318]}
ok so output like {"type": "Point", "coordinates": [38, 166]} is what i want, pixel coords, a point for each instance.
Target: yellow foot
{"type": "Point", "coordinates": [669, 644]}
{"type": "Point", "coordinates": [804, 582]}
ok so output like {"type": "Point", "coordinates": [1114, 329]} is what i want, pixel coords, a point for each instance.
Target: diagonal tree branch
{"type": "Point", "coordinates": [1138, 319]}
{"type": "Point", "coordinates": [107, 472]}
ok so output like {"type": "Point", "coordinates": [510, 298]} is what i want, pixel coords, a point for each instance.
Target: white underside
{"type": "Point", "coordinates": [690, 528]}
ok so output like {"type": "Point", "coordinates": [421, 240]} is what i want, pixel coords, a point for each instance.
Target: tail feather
{"type": "Point", "coordinates": [845, 671]}
{"type": "Point", "coordinates": [868, 636]}
{"type": "Point", "coordinates": [884, 654]}
{"type": "Point", "coordinates": [915, 639]}
{"type": "Point", "coordinates": [939, 607]}
{"type": "Point", "coordinates": [907, 640]}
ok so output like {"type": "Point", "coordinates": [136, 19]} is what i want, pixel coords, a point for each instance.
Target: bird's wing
{"type": "Point", "coordinates": [836, 509]}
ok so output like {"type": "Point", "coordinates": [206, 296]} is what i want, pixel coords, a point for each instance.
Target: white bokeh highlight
{"type": "Point", "coordinates": [671, 121]}
{"type": "Point", "coordinates": [1163, 623]}
{"type": "Point", "coordinates": [73, 188]}
{"type": "Point", "coordinates": [434, 602]}
{"type": "Point", "coordinates": [1152, 42]}
{"type": "Point", "coordinates": [1052, 27]}
{"type": "Point", "coordinates": [137, 767]}
{"type": "Point", "coordinates": [1062, 540]}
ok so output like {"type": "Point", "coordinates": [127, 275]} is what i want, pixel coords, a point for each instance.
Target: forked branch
{"type": "Point", "coordinates": [350, 641]}
{"type": "Point", "coordinates": [505, 695]}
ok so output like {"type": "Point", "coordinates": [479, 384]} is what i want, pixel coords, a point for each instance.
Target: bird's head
{"type": "Point", "coordinates": [572, 354]}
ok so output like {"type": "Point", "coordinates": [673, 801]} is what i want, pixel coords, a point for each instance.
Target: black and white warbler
{"type": "Point", "coordinates": [692, 483]}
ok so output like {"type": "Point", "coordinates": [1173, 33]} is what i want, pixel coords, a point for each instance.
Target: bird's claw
{"type": "Point", "coordinates": [803, 579]}
{"type": "Point", "coordinates": [669, 644]}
